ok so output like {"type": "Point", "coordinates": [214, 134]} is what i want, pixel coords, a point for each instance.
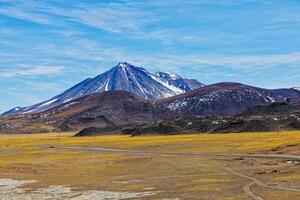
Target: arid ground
{"type": "Point", "coordinates": [205, 166]}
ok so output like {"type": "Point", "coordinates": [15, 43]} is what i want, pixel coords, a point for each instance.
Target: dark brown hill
{"type": "Point", "coordinates": [219, 99]}
{"type": "Point", "coordinates": [102, 110]}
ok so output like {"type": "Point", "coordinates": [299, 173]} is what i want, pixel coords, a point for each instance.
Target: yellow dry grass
{"type": "Point", "coordinates": [29, 157]}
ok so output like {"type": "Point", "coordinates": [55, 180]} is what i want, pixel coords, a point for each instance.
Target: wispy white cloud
{"type": "Point", "coordinates": [113, 17]}
{"type": "Point", "coordinates": [91, 50]}
{"type": "Point", "coordinates": [117, 18]}
{"type": "Point", "coordinates": [32, 71]}
{"type": "Point", "coordinates": [21, 11]}
{"type": "Point", "coordinates": [41, 86]}
{"type": "Point", "coordinates": [238, 61]}
{"type": "Point", "coordinates": [130, 19]}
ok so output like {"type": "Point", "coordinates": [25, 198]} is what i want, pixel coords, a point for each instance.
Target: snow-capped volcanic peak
{"type": "Point", "coordinates": [123, 65]}
{"type": "Point", "coordinates": [123, 76]}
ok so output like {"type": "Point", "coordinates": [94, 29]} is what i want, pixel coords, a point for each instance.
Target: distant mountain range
{"type": "Point", "coordinates": [130, 96]}
{"type": "Point", "coordinates": [124, 76]}
{"type": "Point", "coordinates": [118, 110]}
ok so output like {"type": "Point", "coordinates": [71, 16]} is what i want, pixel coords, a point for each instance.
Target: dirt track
{"type": "Point", "coordinates": [182, 153]}
{"type": "Point", "coordinates": [254, 181]}
{"type": "Point", "coordinates": [246, 188]}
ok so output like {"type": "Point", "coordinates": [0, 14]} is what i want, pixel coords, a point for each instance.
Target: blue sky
{"type": "Point", "coordinates": [48, 46]}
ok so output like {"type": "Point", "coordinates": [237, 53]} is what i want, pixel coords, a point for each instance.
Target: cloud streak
{"type": "Point", "coordinates": [90, 50]}
{"type": "Point", "coordinates": [129, 19]}
{"type": "Point", "coordinates": [239, 61]}
{"type": "Point", "coordinates": [112, 17]}
{"type": "Point", "coordinates": [32, 71]}
{"type": "Point", "coordinates": [29, 11]}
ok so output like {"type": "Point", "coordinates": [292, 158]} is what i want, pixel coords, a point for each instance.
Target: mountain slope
{"type": "Point", "coordinates": [273, 109]}
{"type": "Point", "coordinates": [13, 110]}
{"type": "Point", "coordinates": [220, 99]}
{"type": "Point", "coordinates": [104, 110]}
{"type": "Point", "coordinates": [193, 83]}
{"type": "Point", "coordinates": [124, 76]}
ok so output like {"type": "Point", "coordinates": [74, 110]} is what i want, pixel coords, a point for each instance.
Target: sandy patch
{"type": "Point", "coordinates": [97, 195]}
{"type": "Point", "coordinates": [10, 190]}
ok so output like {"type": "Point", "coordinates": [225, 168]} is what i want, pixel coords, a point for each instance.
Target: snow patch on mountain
{"type": "Point", "coordinates": [173, 76]}
{"type": "Point", "coordinates": [297, 88]}
{"type": "Point", "coordinates": [173, 88]}
{"type": "Point", "coordinates": [48, 103]}
{"type": "Point", "coordinates": [17, 108]}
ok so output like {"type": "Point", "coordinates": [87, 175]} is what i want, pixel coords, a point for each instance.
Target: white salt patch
{"type": "Point", "coordinates": [9, 190]}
